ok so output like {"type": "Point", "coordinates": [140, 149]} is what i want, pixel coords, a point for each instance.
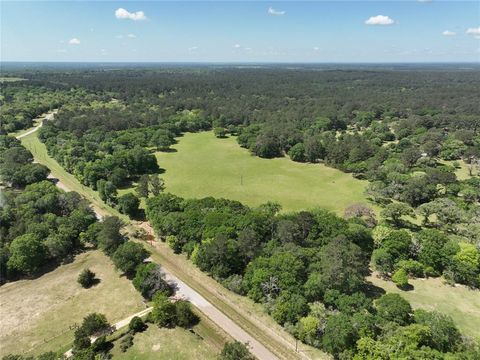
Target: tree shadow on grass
{"type": "Point", "coordinates": [373, 291]}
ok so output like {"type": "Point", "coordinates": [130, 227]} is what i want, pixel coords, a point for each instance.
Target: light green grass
{"type": "Point", "coordinates": [460, 302]}
{"type": "Point", "coordinates": [205, 342]}
{"type": "Point", "coordinates": [207, 166]}
{"type": "Point", "coordinates": [462, 172]}
{"type": "Point", "coordinates": [37, 315]}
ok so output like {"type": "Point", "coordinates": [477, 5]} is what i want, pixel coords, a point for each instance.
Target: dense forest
{"type": "Point", "coordinates": [406, 131]}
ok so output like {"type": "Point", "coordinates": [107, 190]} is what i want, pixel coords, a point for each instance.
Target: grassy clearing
{"type": "Point", "coordinates": [206, 166]}
{"type": "Point", "coordinates": [462, 172]}
{"type": "Point", "coordinates": [461, 303]}
{"type": "Point", "coordinates": [204, 343]}
{"type": "Point", "coordinates": [251, 317]}
{"type": "Point", "coordinates": [37, 314]}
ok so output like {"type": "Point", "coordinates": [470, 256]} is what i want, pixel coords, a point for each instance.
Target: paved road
{"type": "Point", "coordinates": [185, 291]}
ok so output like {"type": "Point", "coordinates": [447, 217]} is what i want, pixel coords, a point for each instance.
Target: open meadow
{"type": "Point", "coordinates": [203, 165]}
{"type": "Point", "coordinates": [38, 315]}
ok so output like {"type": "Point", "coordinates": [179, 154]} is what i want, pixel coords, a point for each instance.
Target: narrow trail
{"type": "Point", "coordinates": [118, 325]}
{"type": "Point", "coordinates": [185, 291]}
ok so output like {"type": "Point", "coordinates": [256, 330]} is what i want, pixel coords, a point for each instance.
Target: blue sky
{"type": "Point", "coordinates": [228, 31]}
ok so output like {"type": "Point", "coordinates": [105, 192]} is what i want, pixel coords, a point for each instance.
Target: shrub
{"type": "Point", "coordinates": [184, 314]}
{"type": "Point", "coordinates": [86, 278]}
{"type": "Point", "coordinates": [235, 350]}
{"type": "Point", "coordinates": [136, 325]}
{"type": "Point", "coordinates": [411, 267]}
{"type": "Point", "coordinates": [126, 342]}
{"type": "Point", "coordinates": [400, 278]}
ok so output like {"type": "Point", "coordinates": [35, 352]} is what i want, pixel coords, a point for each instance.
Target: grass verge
{"type": "Point", "coordinates": [38, 315]}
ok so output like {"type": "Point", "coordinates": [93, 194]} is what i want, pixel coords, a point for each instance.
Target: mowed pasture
{"type": "Point", "coordinates": [204, 342]}
{"type": "Point", "coordinates": [202, 165]}
{"type": "Point", "coordinates": [459, 302]}
{"type": "Point", "coordinates": [38, 315]}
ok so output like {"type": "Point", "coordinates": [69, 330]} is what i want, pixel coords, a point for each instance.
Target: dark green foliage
{"type": "Point", "coordinates": [444, 335]}
{"type": "Point", "coordinates": [136, 325]}
{"type": "Point", "coordinates": [235, 350]}
{"type": "Point", "coordinates": [289, 308]}
{"type": "Point", "coordinates": [149, 279]}
{"type": "Point", "coordinates": [164, 313]}
{"type": "Point", "coordinates": [128, 204]}
{"type": "Point", "coordinates": [185, 317]}
{"type": "Point", "coordinates": [297, 152]}
{"type": "Point", "coordinates": [109, 237]}
{"type": "Point", "coordinates": [392, 307]}
{"type": "Point", "coordinates": [86, 278]}
{"type": "Point", "coordinates": [128, 256]}
{"type": "Point", "coordinates": [339, 334]}
{"type": "Point", "coordinates": [126, 342]}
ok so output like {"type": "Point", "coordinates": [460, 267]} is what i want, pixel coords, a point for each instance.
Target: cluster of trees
{"type": "Point", "coordinates": [308, 269]}
{"type": "Point", "coordinates": [16, 167]}
{"type": "Point", "coordinates": [24, 101]}
{"type": "Point", "coordinates": [428, 252]}
{"type": "Point", "coordinates": [40, 224]}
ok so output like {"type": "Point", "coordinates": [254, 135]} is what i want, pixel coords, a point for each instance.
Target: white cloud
{"type": "Point", "coordinates": [379, 20]}
{"type": "Point", "coordinates": [193, 48]}
{"type": "Point", "coordinates": [122, 14]}
{"type": "Point", "coordinates": [316, 48]}
{"type": "Point", "coordinates": [119, 36]}
{"type": "Point", "coordinates": [131, 36]}
{"type": "Point", "coordinates": [272, 11]}
{"type": "Point", "coordinates": [424, 1]}
{"type": "Point", "coordinates": [74, 41]}
{"type": "Point", "coordinates": [474, 31]}
{"type": "Point", "coordinates": [103, 52]}
{"type": "Point", "coordinates": [236, 46]}
{"type": "Point", "coordinates": [449, 33]}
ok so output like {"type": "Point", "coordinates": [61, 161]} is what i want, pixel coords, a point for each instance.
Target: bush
{"type": "Point", "coordinates": [127, 342]}
{"type": "Point", "coordinates": [149, 279]}
{"type": "Point", "coordinates": [136, 325]}
{"type": "Point", "coordinates": [86, 278]}
{"type": "Point", "coordinates": [185, 316]}
{"type": "Point", "coordinates": [235, 350]}
{"type": "Point", "coordinates": [128, 204]}
{"type": "Point", "coordinates": [164, 313]}
{"type": "Point", "coordinates": [412, 267]}
{"type": "Point", "coordinates": [400, 278]}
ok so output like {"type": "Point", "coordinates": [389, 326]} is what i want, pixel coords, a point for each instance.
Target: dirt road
{"type": "Point", "coordinates": [183, 290]}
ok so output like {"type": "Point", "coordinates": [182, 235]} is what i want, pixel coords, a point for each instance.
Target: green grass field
{"type": "Point", "coordinates": [37, 314]}
{"type": "Point", "coordinates": [461, 303]}
{"type": "Point", "coordinates": [204, 343]}
{"type": "Point", "coordinates": [206, 166]}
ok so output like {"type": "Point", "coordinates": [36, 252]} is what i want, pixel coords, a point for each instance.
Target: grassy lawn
{"type": "Point", "coordinates": [461, 303]}
{"type": "Point", "coordinates": [204, 343]}
{"type": "Point", "coordinates": [206, 166]}
{"type": "Point", "coordinates": [37, 314]}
